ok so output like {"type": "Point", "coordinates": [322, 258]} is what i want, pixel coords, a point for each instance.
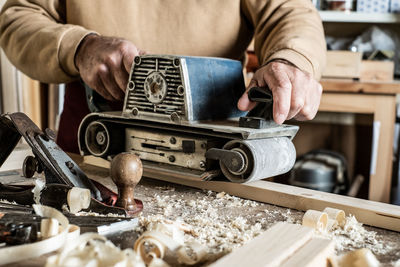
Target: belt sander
{"type": "Point", "coordinates": [179, 116]}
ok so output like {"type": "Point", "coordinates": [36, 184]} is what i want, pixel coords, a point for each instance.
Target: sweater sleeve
{"type": "Point", "coordinates": [290, 30]}
{"type": "Point", "coordinates": [36, 39]}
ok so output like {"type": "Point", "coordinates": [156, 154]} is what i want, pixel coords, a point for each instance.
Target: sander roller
{"type": "Point", "coordinates": [179, 116]}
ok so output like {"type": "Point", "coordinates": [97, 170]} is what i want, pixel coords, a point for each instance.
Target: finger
{"type": "Point", "coordinates": [114, 64]}
{"type": "Point", "coordinates": [99, 88]}
{"type": "Point", "coordinates": [299, 94]}
{"type": "Point", "coordinates": [281, 88]}
{"type": "Point", "coordinates": [109, 83]}
{"type": "Point", "coordinates": [310, 108]}
{"type": "Point", "coordinates": [129, 52]}
{"type": "Point", "coordinates": [244, 103]}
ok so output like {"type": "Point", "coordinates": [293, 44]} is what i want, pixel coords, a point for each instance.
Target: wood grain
{"type": "Point", "coordinates": [372, 213]}
{"type": "Point", "coordinates": [315, 253]}
{"type": "Point", "coordinates": [270, 248]}
{"type": "Point", "coordinates": [342, 64]}
{"type": "Point", "coordinates": [349, 86]}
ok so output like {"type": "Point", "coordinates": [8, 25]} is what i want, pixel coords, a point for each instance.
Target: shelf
{"type": "Point", "coordinates": [358, 17]}
{"type": "Point", "coordinates": [349, 86]}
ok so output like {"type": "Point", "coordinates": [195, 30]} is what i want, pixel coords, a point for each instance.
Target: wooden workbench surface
{"type": "Point", "coordinates": [223, 222]}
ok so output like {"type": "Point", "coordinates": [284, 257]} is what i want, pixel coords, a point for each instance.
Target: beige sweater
{"type": "Point", "coordinates": [40, 37]}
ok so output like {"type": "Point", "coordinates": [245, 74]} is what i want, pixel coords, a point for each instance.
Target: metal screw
{"type": "Point", "coordinates": [131, 85]}
{"type": "Point", "coordinates": [137, 60]}
{"type": "Point", "coordinates": [50, 134]}
{"type": "Point", "coordinates": [202, 164]}
{"type": "Point", "coordinates": [180, 90]}
{"type": "Point", "coordinates": [175, 117]}
{"type": "Point", "coordinates": [171, 158]}
{"type": "Point", "coordinates": [176, 62]}
{"type": "Point", "coordinates": [69, 164]}
{"type": "Point", "coordinates": [172, 140]}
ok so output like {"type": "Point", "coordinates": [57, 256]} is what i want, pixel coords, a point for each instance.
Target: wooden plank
{"type": "Point", "coordinates": [342, 64]}
{"type": "Point", "coordinates": [341, 86]}
{"type": "Point", "coordinates": [270, 248]}
{"type": "Point", "coordinates": [374, 70]}
{"type": "Point", "coordinates": [368, 212]}
{"type": "Point", "coordinates": [315, 253]}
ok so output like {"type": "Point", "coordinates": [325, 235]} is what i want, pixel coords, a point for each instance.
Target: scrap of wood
{"type": "Point", "coordinates": [342, 64]}
{"type": "Point", "coordinates": [375, 70]}
{"type": "Point", "coordinates": [315, 253]}
{"type": "Point", "coordinates": [271, 248]}
{"type": "Point", "coordinates": [368, 212]}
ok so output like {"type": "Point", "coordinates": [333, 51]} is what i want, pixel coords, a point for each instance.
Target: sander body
{"type": "Point", "coordinates": [180, 117]}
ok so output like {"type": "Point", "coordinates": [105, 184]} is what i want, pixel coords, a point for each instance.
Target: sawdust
{"type": "Point", "coordinates": [353, 235]}
{"type": "Point", "coordinates": [216, 221]}
{"type": "Point", "coordinates": [212, 219]}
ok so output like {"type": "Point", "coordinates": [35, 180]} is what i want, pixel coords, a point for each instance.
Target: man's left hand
{"type": "Point", "coordinates": [296, 93]}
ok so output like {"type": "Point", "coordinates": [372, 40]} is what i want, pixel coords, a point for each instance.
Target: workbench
{"type": "Point", "coordinates": [379, 100]}
{"type": "Point", "coordinates": [211, 212]}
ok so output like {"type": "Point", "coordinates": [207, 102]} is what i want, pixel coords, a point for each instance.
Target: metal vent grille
{"type": "Point", "coordinates": [173, 102]}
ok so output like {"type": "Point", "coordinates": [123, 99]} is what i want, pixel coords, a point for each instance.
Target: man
{"type": "Point", "coordinates": [58, 41]}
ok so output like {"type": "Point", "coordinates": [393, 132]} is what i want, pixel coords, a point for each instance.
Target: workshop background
{"type": "Point", "coordinates": [352, 147]}
{"type": "Point", "coordinates": [354, 138]}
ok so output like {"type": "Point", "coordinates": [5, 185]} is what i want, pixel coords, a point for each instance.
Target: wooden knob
{"type": "Point", "coordinates": [126, 172]}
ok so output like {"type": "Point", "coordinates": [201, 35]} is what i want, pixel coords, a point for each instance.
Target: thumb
{"type": "Point", "coordinates": [128, 57]}
{"type": "Point", "coordinates": [244, 103]}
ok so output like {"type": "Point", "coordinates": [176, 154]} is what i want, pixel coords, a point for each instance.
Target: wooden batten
{"type": "Point", "coordinates": [372, 213]}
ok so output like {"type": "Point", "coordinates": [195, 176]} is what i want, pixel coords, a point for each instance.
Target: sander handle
{"type": "Point", "coordinates": [261, 116]}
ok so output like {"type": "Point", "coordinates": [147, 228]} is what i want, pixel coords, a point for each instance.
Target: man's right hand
{"type": "Point", "coordinates": [104, 64]}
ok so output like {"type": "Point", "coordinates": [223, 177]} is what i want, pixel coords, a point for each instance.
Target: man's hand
{"type": "Point", "coordinates": [296, 93]}
{"type": "Point", "coordinates": [104, 64]}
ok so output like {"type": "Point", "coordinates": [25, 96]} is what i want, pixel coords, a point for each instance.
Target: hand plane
{"type": "Point", "coordinates": [60, 171]}
{"type": "Point", "coordinates": [180, 117]}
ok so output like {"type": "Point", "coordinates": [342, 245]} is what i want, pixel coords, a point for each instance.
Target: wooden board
{"type": "Point", "coordinates": [368, 212]}
{"type": "Point", "coordinates": [314, 253]}
{"type": "Point", "coordinates": [373, 87]}
{"type": "Point", "coordinates": [373, 70]}
{"type": "Point", "coordinates": [271, 248]}
{"type": "Point", "coordinates": [342, 64]}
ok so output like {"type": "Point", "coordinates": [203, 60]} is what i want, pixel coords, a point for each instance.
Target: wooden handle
{"type": "Point", "coordinates": [126, 172]}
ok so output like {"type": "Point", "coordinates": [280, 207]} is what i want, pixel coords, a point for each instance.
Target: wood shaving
{"type": "Point", "coordinates": [354, 236]}
{"type": "Point", "coordinates": [5, 201]}
{"type": "Point", "coordinates": [204, 223]}
{"type": "Point", "coordinates": [91, 213]}
{"type": "Point", "coordinates": [218, 221]}
{"type": "Point", "coordinates": [91, 249]}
